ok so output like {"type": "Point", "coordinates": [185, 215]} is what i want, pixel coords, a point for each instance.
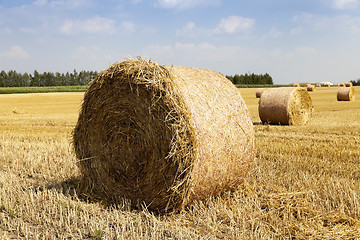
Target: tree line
{"type": "Point", "coordinates": [48, 79]}
{"type": "Point", "coordinates": [75, 78]}
{"type": "Point", "coordinates": [355, 82]}
{"type": "Point", "coordinates": [252, 78]}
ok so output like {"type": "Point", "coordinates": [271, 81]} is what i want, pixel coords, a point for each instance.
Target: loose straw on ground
{"type": "Point", "coordinates": [162, 136]}
{"type": "Point", "coordinates": [287, 106]}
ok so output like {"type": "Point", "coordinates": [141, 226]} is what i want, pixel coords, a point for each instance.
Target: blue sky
{"type": "Point", "coordinates": [292, 40]}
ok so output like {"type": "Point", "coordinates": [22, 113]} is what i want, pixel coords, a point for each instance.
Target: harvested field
{"type": "Point", "coordinates": [304, 183]}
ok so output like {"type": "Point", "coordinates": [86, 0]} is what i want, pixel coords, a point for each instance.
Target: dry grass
{"type": "Point", "coordinates": [304, 183]}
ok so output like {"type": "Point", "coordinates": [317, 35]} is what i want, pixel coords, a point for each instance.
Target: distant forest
{"type": "Point", "coordinates": [355, 82]}
{"type": "Point", "coordinates": [251, 79]}
{"type": "Point", "coordinates": [45, 79]}
{"type": "Point", "coordinates": [75, 78]}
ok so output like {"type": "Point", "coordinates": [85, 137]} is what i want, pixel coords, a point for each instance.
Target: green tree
{"type": "Point", "coordinates": [3, 79]}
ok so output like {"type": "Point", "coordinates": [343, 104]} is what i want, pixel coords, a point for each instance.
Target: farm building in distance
{"type": "Point", "coordinates": [326, 83]}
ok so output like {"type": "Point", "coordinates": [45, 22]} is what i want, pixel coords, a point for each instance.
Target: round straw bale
{"type": "Point", "coordinates": [259, 92]}
{"type": "Point", "coordinates": [296, 85]}
{"type": "Point", "coordinates": [341, 84]}
{"type": "Point", "coordinates": [162, 136]}
{"type": "Point", "coordinates": [346, 94]}
{"type": "Point", "coordinates": [348, 84]}
{"type": "Point", "coordinates": [310, 88]}
{"type": "Point", "coordinates": [287, 106]}
{"type": "Point", "coordinates": [327, 85]}
{"type": "Point", "coordinates": [318, 85]}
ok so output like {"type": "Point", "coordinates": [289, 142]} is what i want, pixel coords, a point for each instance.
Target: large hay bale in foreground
{"type": "Point", "coordinates": [286, 105]}
{"type": "Point", "coordinates": [259, 92]}
{"type": "Point", "coordinates": [346, 94]}
{"type": "Point", "coordinates": [162, 136]}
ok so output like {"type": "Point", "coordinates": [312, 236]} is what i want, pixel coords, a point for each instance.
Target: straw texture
{"type": "Point", "coordinates": [162, 136]}
{"type": "Point", "coordinates": [259, 92]}
{"type": "Point", "coordinates": [287, 106]}
{"type": "Point", "coordinates": [346, 94]}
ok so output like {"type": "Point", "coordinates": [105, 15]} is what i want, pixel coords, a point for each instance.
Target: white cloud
{"type": "Point", "coordinates": [16, 52]}
{"type": "Point", "coordinates": [92, 26]}
{"type": "Point", "coordinates": [183, 4]}
{"type": "Point", "coordinates": [296, 31]}
{"type": "Point", "coordinates": [83, 52]}
{"type": "Point", "coordinates": [234, 24]}
{"type": "Point", "coordinates": [302, 51]}
{"type": "Point", "coordinates": [188, 30]}
{"type": "Point", "coordinates": [157, 52]}
{"type": "Point", "coordinates": [305, 51]}
{"type": "Point", "coordinates": [191, 54]}
{"type": "Point", "coordinates": [337, 25]}
{"type": "Point", "coordinates": [278, 53]}
{"type": "Point", "coordinates": [28, 30]}
{"type": "Point", "coordinates": [6, 31]}
{"type": "Point", "coordinates": [61, 3]}
{"type": "Point", "coordinates": [344, 4]}
{"type": "Point", "coordinates": [273, 33]}
{"type": "Point", "coordinates": [40, 2]}
{"type": "Point", "coordinates": [128, 26]}
{"type": "Point", "coordinates": [230, 25]}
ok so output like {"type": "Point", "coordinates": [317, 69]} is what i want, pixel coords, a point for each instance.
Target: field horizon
{"type": "Point", "coordinates": [303, 184]}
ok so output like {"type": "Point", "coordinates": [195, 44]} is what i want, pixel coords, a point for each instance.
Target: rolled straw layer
{"type": "Point", "coordinates": [162, 136]}
{"type": "Point", "coordinates": [287, 106]}
{"type": "Point", "coordinates": [346, 94]}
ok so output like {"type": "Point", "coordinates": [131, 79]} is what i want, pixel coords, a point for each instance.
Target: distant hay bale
{"type": "Point", "coordinates": [327, 85]}
{"type": "Point", "coordinates": [318, 85]}
{"type": "Point", "coordinates": [310, 88]}
{"type": "Point", "coordinates": [162, 136]}
{"type": "Point", "coordinates": [296, 85]}
{"type": "Point", "coordinates": [287, 106]}
{"type": "Point", "coordinates": [259, 92]}
{"type": "Point", "coordinates": [346, 94]}
{"type": "Point", "coordinates": [348, 84]}
{"type": "Point", "coordinates": [341, 84]}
